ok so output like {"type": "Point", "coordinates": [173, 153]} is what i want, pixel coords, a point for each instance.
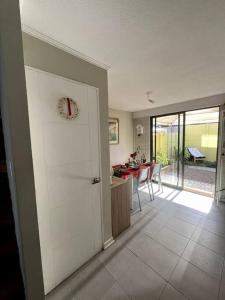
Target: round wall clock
{"type": "Point", "coordinates": [68, 108]}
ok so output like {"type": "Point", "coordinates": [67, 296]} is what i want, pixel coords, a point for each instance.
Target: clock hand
{"type": "Point", "coordinates": [69, 106]}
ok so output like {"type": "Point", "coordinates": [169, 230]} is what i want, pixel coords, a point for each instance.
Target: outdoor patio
{"type": "Point", "coordinates": [195, 177]}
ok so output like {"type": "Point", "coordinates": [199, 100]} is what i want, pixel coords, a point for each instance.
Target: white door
{"type": "Point", "coordinates": [66, 158]}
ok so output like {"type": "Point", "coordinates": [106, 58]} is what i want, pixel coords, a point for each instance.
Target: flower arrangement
{"type": "Point", "coordinates": [133, 155]}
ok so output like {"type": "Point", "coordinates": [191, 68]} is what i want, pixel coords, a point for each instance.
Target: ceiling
{"type": "Point", "coordinates": [174, 48]}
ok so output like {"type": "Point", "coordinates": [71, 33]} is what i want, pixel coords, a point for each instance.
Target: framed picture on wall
{"type": "Point", "coordinates": [113, 131]}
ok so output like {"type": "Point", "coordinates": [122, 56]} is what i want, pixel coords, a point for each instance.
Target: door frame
{"type": "Point", "coordinates": [183, 150]}
{"type": "Point", "coordinates": [99, 145]}
{"type": "Point", "coordinates": [177, 186]}
{"type": "Point", "coordinates": [100, 168]}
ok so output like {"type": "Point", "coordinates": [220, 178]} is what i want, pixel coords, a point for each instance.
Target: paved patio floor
{"type": "Point", "coordinates": [195, 177]}
{"type": "Point", "coordinates": [200, 178]}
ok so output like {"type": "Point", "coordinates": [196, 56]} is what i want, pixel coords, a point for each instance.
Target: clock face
{"type": "Point", "coordinates": [68, 108]}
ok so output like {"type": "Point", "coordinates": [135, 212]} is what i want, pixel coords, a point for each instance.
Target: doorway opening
{"type": "Point", "coordinates": [11, 284]}
{"type": "Point", "coordinates": [185, 144]}
{"type": "Point", "coordinates": [201, 133]}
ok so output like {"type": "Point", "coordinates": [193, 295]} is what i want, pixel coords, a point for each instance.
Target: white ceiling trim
{"type": "Point", "coordinates": [201, 103]}
{"type": "Point", "coordinates": [33, 32]}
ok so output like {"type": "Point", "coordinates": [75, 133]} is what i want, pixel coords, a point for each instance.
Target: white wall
{"type": "Point", "coordinates": [18, 148]}
{"type": "Point", "coordinates": [142, 141]}
{"type": "Point", "coordinates": [120, 153]}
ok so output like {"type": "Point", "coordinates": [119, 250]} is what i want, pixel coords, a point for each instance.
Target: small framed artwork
{"type": "Point", "coordinates": [113, 131]}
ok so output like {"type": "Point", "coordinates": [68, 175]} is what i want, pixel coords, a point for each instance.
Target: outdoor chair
{"type": "Point", "coordinates": [196, 154]}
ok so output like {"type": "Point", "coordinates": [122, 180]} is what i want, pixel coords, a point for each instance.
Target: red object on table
{"type": "Point", "coordinates": [134, 172]}
{"type": "Point", "coordinates": [119, 167]}
{"type": "Point", "coordinates": [116, 166]}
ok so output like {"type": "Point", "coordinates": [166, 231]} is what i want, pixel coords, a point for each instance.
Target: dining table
{"type": "Point", "coordinates": [134, 172]}
{"type": "Point", "coordinates": [130, 173]}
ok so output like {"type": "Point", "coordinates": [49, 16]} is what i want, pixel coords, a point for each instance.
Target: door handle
{"type": "Point", "coordinates": [96, 180]}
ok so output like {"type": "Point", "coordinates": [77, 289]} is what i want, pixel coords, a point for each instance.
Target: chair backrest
{"type": "Point", "coordinates": [156, 170]}
{"type": "Point", "coordinates": [143, 175]}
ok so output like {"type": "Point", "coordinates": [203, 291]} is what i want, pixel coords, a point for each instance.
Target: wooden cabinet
{"type": "Point", "coordinates": [121, 194]}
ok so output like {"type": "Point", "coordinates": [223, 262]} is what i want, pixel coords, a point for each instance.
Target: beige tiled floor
{"type": "Point", "coordinates": [174, 250]}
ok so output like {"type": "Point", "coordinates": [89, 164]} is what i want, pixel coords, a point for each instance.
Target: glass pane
{"type": "Point", "coordinates": [167, 150]}
{"type": "Point", "coordinates": [181, 150]}
{"type": "Point", "coordinates": [153, 157]}
{"type": "Point", "coordinates": [201, 134]}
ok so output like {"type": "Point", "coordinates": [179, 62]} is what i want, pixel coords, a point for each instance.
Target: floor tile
{"type": "Point", "coordinates": [140, 282]}
{"type": "Point", "coordinates": [222, 286]}
{"type": "Point", "coordinates": [145, 201]}
{"type": "Point", "coordinates": [147, 208]}
{"type": "Point", "coordinates": [162, 217]}
{"type": "Point", "coordinates": [214, 227]}
{"type": "Point", "coordinates": [152, 228]}
{"type": "Point", "coordinates": [83, 296]}
{"type": "Point", "coordinates": [162, 260]}
{"type": "Point", "coordinates": [188, 216]}
{"type": "Point", "coordinates": [62, 292]}
{"type": "Point", "coordinates": [194, 283]}
{"type": "Point", "coordinates": [118, 262]}
{"type": "Point", "coordinates": [171, 293]}
{"type": "Point", "coordinates": [181, 227]}
{"type": "Point", "coordinates": [128, 235]}
{"type": "Point", "coordinates": [217, 213]}
{"type": "Point", "coordinates": [152, 214]}
{"type": "Point", "coordinates": [91, 282]}
{"type": "Point", "coordinates": [192, 210]}
{"type": "Point", "coordinates": [172, 240]}
{"type": "Point", "coordinates": [204, 258]}
{"type": "Point", "coordinates": [158, 202]}
{"type": "Point", "coordinates": [145, 219]}
{"type": "Point", "coordinates": [136, 217]}
{"type": "Point", "coordinates": [170, 209]}
{"type": "Point", "coordinates": [115, 293]}
{"type": "Point", "coordinates": [210, 240]}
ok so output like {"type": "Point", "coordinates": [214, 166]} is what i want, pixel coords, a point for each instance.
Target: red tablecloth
{"type": "Point", "coordinates": [134, 173]}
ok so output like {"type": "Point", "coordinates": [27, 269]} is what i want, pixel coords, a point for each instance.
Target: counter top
{"type": "Point", "coordinates": [116, 181]}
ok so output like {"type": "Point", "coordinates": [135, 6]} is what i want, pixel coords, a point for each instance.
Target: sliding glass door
{"type": "Point", "coordinates": [186, 146]}
{"type": "Point", "coordinates": [167, 146]}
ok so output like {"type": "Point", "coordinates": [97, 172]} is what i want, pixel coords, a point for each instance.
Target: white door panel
{"type": "Point", "coordinates": [71, 141]}
{"type": "Point", "coordinates": [66, 157]}
{"type": "Point", "coordinates": [64, 181]}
